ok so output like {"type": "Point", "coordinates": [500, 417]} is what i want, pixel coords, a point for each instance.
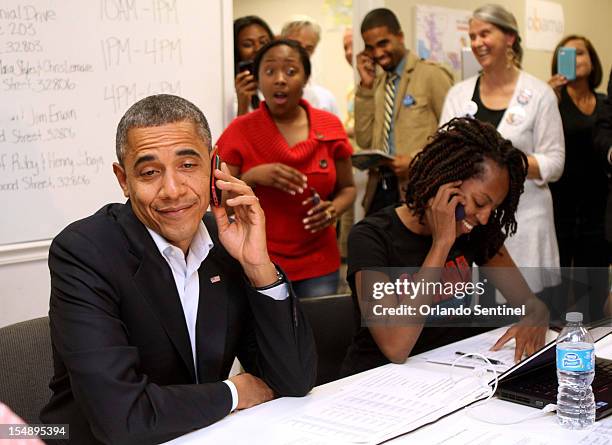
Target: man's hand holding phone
{"type": "Point", "coordinates": [244, 237]}
{"type": "Point", "coordinates": [366, 68]}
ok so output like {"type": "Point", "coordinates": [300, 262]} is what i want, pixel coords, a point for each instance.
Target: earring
{"type": "Point", "coordinates": [510, 57]}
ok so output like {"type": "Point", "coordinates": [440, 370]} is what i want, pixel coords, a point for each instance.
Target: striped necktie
{"type": "Point", "coordinates": [389, 100]}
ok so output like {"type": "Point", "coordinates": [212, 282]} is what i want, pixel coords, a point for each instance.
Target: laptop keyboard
{"type": "Point", "coordinates": [547, 388]}
{"type": "Point", "coordinates": [603, 372]}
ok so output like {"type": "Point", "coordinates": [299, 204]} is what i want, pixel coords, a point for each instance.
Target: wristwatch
{"type": "Point", "coordinates": [279, 280]}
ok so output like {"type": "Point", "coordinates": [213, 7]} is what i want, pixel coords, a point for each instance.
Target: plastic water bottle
{"type": "Point", "coordinates": [575, 372]}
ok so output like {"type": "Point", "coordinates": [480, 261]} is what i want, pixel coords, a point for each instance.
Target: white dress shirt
{"type": "Point", "coordinates": [186, 278]}
{"type": "Point", "coordinates": [320, 97]}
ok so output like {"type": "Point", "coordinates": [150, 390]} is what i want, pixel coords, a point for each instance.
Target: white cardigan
{"type": "Point", "coordinates": [533, 123]}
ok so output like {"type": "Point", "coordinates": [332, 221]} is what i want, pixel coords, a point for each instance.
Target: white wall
{"type": "Point", "coordinates": [24, 275]}
{"type": "Point", "coordinates": [24, 290]}
{"type": "Point", "coordinates": [24, 281]}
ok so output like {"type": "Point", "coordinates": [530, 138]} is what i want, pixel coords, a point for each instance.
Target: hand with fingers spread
{"type": "Point", "coordinates": [366, 68]}
{"type": "Point", "coordinates": [245, 237]}
{"type": "Point", "coordinates": [278, 175]}
{"type": "Point", "coordinates": [246, 87]}
{"type": "Point", "coordinates": [321, 215]}
{"type": "Point", "coordinates": [440, 213]}
{"type": "Point", "coordinates": [529, 333]}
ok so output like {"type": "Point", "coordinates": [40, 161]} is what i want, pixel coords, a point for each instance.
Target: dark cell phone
{"type": "Point", "coordinates": [215, 193]}
{"type": "Point", "coordinates": [246, 65]}
{"type": "Point", "coordinates": [316, 198]}
{"type": "Point", "coordinates": [459, 212]}
{"type": "Point", "coordinates": [566, 62]}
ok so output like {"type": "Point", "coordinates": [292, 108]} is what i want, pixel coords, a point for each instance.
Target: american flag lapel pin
{"type": "Point", "coordinates": [215, 279]}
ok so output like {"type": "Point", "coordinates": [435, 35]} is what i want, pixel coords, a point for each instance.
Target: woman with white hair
{"type": "Point", "coordinates": [307, 33]}
{"type": "Point", "coordinates": [524, 110]}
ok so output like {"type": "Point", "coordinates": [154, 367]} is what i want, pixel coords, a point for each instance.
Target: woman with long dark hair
{"type": "Point", "coordinates": [581, 193]}
{"type": "Point", "coordinates": [250, 34]}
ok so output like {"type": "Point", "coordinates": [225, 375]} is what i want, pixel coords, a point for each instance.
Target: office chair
{"type": "Point", "coordinates": [331, 318]}
{"type": "Point", "coordinates": [26, 367]}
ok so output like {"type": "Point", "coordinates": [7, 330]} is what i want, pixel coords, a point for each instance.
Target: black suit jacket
{"type": "Point", "coordinates": [124, 370]}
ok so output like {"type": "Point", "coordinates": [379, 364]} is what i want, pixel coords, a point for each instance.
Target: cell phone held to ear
{"type": "Point", "coordinates": [459, 212]}
{"type": "Point", "coordinates": [215, 193]}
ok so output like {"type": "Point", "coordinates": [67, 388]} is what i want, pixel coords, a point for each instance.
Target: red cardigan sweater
{"type": "Point", "coordinates": [253, 139]}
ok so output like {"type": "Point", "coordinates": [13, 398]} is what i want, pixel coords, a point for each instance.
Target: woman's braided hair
{"type": "Point", "coordinates": [456, 152]}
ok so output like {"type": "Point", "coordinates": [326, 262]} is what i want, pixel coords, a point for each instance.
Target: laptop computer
{"type": "Point", "coordinates": [533, 382]}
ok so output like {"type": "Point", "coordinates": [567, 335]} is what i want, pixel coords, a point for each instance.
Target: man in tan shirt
{"type": "Point", "coordinates": [417, 89]}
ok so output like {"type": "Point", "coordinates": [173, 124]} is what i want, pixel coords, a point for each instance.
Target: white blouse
{"type": "Point", "coordinates": [533, 124]}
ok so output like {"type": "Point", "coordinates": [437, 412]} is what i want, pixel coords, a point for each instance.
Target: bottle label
{"type": "Point", "coordinates": [582, 360]}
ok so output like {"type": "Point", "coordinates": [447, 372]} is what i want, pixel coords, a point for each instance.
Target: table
{"type": "Point", "coordinates": [254, 425]}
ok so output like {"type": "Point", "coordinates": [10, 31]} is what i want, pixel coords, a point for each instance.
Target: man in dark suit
{"type": "Point", "coordinates": [151, 302]}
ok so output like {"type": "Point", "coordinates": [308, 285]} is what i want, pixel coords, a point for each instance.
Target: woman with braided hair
{"type": "Point", "coordinates": [461, 200]}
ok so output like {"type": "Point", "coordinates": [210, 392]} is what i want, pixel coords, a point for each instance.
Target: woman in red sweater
{"type": "Point", "coordinates": [297, 159]}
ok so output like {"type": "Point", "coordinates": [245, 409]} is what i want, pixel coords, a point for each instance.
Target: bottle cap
{"type": "Point", "coordinates": [573, 317]}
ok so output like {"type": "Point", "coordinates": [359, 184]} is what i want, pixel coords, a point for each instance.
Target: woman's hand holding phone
{"type": "Point", "coordinates": [442, 213]}
{"type": "Point", "coordinates": [246, 87]}
{"type": "Point", "coordinates": [556, 82]}
{"type": "Point", "coordinates": [321, 215]}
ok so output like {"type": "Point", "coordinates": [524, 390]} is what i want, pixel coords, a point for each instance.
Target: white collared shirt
{"type": "Point", "coordinates": [186, 278]}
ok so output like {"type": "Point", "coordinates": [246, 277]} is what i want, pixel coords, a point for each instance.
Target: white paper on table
{"type": "Point", "coordinates": [467, 436]}
{"type": "Point", "coordinates": [387, 402]}
{"type": "Point", "coordinates": [462, 432]}
{"type": "Point", "coordinates": [481, 344]}
{"type": "Point", "coordinates": [460, 429]}
{"type": "Point", "coordinates": [599, 434]}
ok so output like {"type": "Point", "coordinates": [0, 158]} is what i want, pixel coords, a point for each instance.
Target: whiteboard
{"type": "Point", "coordinates": [69, 69]}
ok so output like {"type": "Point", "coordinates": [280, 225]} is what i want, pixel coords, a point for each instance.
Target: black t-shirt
{"type": "Point", "coordinates": [581, 192]}
{"type": "Point", "coordinates": [382, 240]}
{"type": "Point", "coordinates": [484, 114]}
